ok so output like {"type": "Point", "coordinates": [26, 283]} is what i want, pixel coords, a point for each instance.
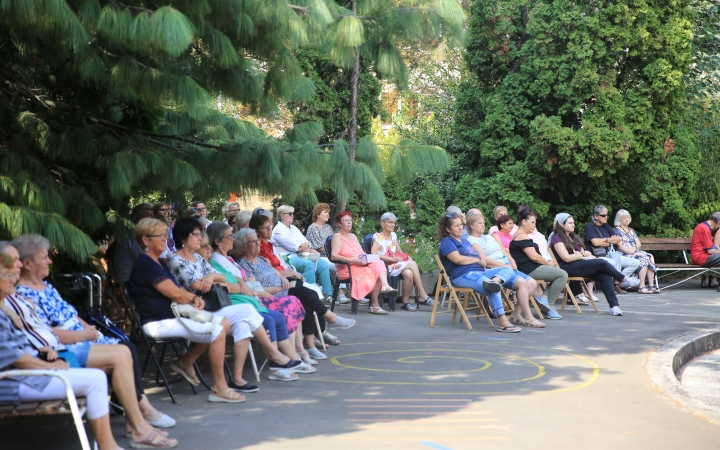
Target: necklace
{"type": "Point", "coordinates": [626, 231]}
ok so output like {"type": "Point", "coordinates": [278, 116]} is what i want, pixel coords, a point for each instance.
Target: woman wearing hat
{"type": "Point", "coordinates": [578, 262]}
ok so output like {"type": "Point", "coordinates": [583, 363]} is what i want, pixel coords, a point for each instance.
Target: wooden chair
{"type": "Point", "coordinates": [454, 305]}
{"type": "Point", "coordinates": [568, 291]}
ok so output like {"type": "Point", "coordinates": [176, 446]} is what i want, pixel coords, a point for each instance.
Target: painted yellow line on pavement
{"type": "Point", "coordinates": [414, 439]}
{"type": "Point", "coordinates": [429, 413]}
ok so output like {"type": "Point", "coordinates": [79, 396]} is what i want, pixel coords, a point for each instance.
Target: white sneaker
{"type": "Point", "coordinates": [582, 298]}
{"type": "Point", "coordinates": [616, 311]}
{"type": "Point", "coordinates": [364, 301]}
{"type": "Point", "coordinates": [595, 299]}
{"type": "Point", "coordinates": [342, 323]}
{"type": "Point", "coordinates": [342, 299]}
{"type": "Point", "coordinates": [317, 354]}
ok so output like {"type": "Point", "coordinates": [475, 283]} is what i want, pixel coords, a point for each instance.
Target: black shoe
{"type": "Point", "coordinates": [492, 286]}
{"type": "Point", "coordinates": [718, 289]}
{"type": "Point", "coordinates": [245, 388]}
{"type": "Point", "coordinates": [289, 365]}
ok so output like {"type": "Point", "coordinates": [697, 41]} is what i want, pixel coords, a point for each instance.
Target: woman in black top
{"type": "Point", "coordinates": [528, 259]}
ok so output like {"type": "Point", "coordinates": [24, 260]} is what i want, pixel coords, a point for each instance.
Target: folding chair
{"type": "Point", "coordinates": [568, 292]}
{"type": "Point", "coordinates": [150, 342]}
{"type": "Point", "coordinates": [444, 286]}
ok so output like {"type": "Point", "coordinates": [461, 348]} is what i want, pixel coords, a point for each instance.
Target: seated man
{"type": "Point", "coordinates": [598, 235]}
{"type": "Point", "coordinates": [703, 250]}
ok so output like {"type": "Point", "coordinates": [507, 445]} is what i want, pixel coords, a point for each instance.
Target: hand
{"type": "Point", "coordinates": [51, 355]}
{"type": "Point", "coordinates": [304, 247]}
{"type": "Point", "coordinates": [206, 282]}
{"type": "Point", "coordinates": [397, 260]}
{"type": "Point", "coordinates": [357, 262]}
{"type": "Point", "coordinates": [284, 283]}
{"type": "Point", "coordinates": [553, 263]}
{"type": "Point", "coordinates": [59, 365]}
{"type": "Point", "coordinates": [297, 275]}
{"type": "Point", "coordinates": [198, 303]}
{"type": "Point", "coordinates": [513, 265]}
{"type": "Point", "coordinates": [91, 333]}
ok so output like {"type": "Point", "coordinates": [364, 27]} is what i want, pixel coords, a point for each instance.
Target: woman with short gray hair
{"type": "Point", "coordinates": [629, 245]}
{"type": "Point", "coordinates": [242, 219]}
{"type": "Point", "coordinates": [386, 245]}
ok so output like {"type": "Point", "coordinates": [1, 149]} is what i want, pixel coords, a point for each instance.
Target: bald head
{"type": "Point", "coordinates": [474, 212]}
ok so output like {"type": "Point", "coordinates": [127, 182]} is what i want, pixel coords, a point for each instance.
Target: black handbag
{"type": "Point", "coordinates": [599, 252]}
{"type": "Point", "coordinates": [216, 298]}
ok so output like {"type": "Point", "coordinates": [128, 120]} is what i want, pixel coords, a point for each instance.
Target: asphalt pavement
{"type": "Point", "coordinates": [396, 383]}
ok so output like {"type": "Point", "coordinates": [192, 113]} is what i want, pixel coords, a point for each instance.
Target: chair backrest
{"type": "Point", "coordinates": [328, 247]}
{"type": "Point", "coordinates": [367, 243]}
{"type": "Point", "coordinates": [137, 324]}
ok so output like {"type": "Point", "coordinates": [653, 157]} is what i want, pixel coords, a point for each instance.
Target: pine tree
{"type": "Point", "coordinates": [101, 100]}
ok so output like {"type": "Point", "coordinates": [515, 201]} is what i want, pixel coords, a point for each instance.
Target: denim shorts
{"type": "Point", "coordinates": [81, 352]}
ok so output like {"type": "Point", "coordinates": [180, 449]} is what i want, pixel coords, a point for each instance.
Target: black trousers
{"type": "Point", "coordinates": [598, 270]}
{"type": "Point", "coordinates": [312, 303]}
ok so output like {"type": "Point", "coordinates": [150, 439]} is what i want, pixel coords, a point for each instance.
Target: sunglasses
{"type": "Point", "coordinates": [290, 214]}
{"type": "Point", "coordinates": [451, 215]}
{"type": "Point", "coordinates": [602, 215]}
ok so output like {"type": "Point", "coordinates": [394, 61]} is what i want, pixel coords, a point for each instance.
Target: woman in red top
{"type": "Point", "coordinates": [308, 297]}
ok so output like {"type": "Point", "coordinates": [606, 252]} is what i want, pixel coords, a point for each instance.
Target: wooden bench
{"type": "Point", "coordinates": [675, 244]}
{"type": "Point", "coordinates": [72, 405]}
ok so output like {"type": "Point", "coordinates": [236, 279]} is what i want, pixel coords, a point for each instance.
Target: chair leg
{"type": "Point", "coordinates": [336, 288]}
{"type": "Point", "coordinates": [354, 308]}
{"type": "Point", "coordinates": [537, 308]}
{"type": "Point", "coordinates": [158, 367]}
{"type": "Point", "coordinates": [251, 354]}
{"type": "Point", "coordinates": [588, 294]}
{"type": "Point", "coordinates": [568, 292]}
{"type": "Point", "coordinates": [319, 331]}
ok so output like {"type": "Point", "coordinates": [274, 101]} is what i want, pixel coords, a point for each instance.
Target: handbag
{"type": "Point", "coordinates": [216, 298]}
{"type": "Point", "coordinates": [599, 252]}
{"type": "Point", "coordinates": [403, 256]}
{"type": "Point", "coordinates": [195, 320]}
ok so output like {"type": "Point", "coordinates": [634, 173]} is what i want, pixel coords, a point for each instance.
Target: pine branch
{"type": "Point", "coordinates": [136, 8]}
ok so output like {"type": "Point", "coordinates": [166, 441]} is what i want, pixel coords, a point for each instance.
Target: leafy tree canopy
{"type": "Point", "coordinates": [101, 100]}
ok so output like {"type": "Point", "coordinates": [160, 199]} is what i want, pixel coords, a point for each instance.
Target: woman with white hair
{"type": "Point", "coordinates": [242, 219]}
{"type": "Point", "coordinates": [229, 210]}
{"type": "Point", "coordinates": [291, 243]}
{"type": "Point", "coordinates": [385, 244]}
{"type": "Point", "coordinates": [630, 245]}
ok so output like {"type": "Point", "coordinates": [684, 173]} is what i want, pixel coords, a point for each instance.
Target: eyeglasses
{"type": "Point", "coordinates": [233, 211]}
{"type": "Point", "coordinates": [202, 209]}
{"type": "Point", "coordinates": [10, 275]}
{"type": "Point", "coordinates": [290, 214]}
{"type": "Point", "coordinates": [602, 215]}
{"type": "Point", "coordinates": [162, 237]}
{"type": "Point", "coordinates": [205, 245]}
{"type": "Point", "coordinates": [451, 215]}
{"type": "Point", "coordinates": [229, 236]}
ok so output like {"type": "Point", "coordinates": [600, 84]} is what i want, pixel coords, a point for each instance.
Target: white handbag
{"type": "Point", "coordinates": [195, 320]}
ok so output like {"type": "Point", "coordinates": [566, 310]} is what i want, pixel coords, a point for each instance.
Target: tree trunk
{"type": "Point", "coordinates": [352, 126]}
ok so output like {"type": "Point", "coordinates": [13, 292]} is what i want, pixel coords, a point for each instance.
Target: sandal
{"type": "Point", "coordinates": [282, 375]}
{"type": "Point", "coordinates": [645, 290]}
{"type": "Point", "coordinates": [187, 373]}
{"type": "Point", "coordinates": [534, 323]}
{"type": "Point", "coordinates": [154, 440]}
{"type": "Point", "coordinates": [330, 339]}
{"type": "Point", "coordinates": [163, 433]}
{"type": "Point", "coordinates": [579, 302]}
{"type": "Point", "coordinates": [518, 320]}
{"type": "Point", "coordinates": [655, 289]}
{"type": "Point", "coordinates": [429, 301]}
{"type": "Point", "coordinates": [227, 395]}
{"type": "Point", "coordinates": [378, 311]}
{"type": "Point", "coordinates": [307, 359]}
{"type": "Point", "coordinates": [408, 307]}
{"type": "Point", "coordinates": [508, 329]}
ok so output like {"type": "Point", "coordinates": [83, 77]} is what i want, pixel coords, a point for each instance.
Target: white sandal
{"type": "Point", "coordinates": [306, 358]}
{"type": "Point", "coordinates": [282, 375]}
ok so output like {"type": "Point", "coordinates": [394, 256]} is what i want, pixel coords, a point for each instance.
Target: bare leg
{"type": "Point", "coordinates": [650, 276]}
{"type": "Point", "coordinates": [103, 435]}
{"type": "Point", "coordinates": [116, 360]}
{"type": "Point", "coordinates": [416, 279]}
{"type": "Point", "coordinates": [240, 350]}
{"type": "Point", "coordinates": [270, 348]}
{"type": "Point", "coordinates": [407, 275]}
{"type": "Point", "coordinates": [216, 354]}
{"type": "Point", "coordinates": [523, 289]}
{"type": "Point", "coordinates": [376, 290]}
{"type": "Point", "coordinates": [330, 316]}
{"type": "Point", "coordinates": [148, 411]}
{"type": "Point", "coordinates": [287, 347]}
{"type": "Point", "coordinates": [642, 274]}
{"type": "Point", "coordinates": [310, 341]}
{"type": "Point", "coordinates": [383, 279]}
{"type": "Point", "coordinates": [299, 340]}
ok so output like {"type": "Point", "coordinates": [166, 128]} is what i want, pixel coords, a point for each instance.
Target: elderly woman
{"type": "Point", "coordinates": [229, 210]}
{"type": "Point", "coordinates": [317, 233]}
{"type": "Point", "coordinates": [309, 297]}
{"type": "Point", "coordinates": [153, 289]}
{"type": "Point", "coordinates": [600, 237]}
{"type": "Point", "coordinates": [630, 245]}
{"type": "Point", "coordinates": [527, 256]}
{"type": "Point", "coordinates": [90, 346]}
{"type": "Point", "coordinates": [493, 255]}
{"type": "Point", "coordinates": [366, 277]}
{"type": "Point", "coordinates": [115, 360]}
{"type": "Point", "coordinates": [385, 244]}
{"type": "Point", "coordinates": [290, 242]}
{"type": "Point", "coordinates": [274, 290]}
{"type": "Point", "coordinates": [500, 210]}
{"type": "Point", "coordinates": [16, 352]}
{"type": "Point", "coordinates": [464, 267]}
{"type": "Point", "coordinates": [578, 262]}
{"type": "Point", "coordinates": [197, 275]}
{"type": "Point", "coordinates": [242, 219]}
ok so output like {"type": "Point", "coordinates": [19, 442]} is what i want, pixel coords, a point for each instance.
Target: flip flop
{"type": "Point", "coordinates": [509, 329]}
{"type": "Point", "coordinates": [162, 433]}
{"type": "Point", "coordinates": [192, 379]}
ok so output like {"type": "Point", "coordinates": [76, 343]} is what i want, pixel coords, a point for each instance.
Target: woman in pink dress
{"type": "Point", "coordinates": [504, 234]}
{"type": "Point", "coordinates": [366, 277]}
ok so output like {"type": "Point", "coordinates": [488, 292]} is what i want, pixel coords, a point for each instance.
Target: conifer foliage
{"type": "Point", "coordinates": [102, 99]}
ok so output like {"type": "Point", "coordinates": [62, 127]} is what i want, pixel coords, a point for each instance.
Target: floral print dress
{"type": "Point", "coordinates": [56, 312]}
{"type": "Point", "coordinates": [629, 240]}
{"type": "Point", "coordinates": [288, 305]}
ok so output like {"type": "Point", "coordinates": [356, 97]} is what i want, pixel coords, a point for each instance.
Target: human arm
{"type": "Point", "coordinates": [460, 260]}
{"type": "Point", "coordinates": [27, 362]}
{"type": "Point", "coordinates": [336, 246]}
{"type": "Point", "coordinates": [50, 354]}
{"type": "Point", "coordinates": [496, 236]}
{"type": "Point", "coordinates": [533, 254]}
{"type": "Point", "coordinates": [205, 283]}
{"type": "Point", "coordinates": [88, 333]}
{"type": "Point", "coordinates": [485, 261]}
{"type": "Point", "coordinates": [374, 251]}
{"type": "Point", "coordinates": [562, 253]}
{"type": "Point", "coordinates": [597, 239]}
{"type": "Point", "coordinates": [176, 294]}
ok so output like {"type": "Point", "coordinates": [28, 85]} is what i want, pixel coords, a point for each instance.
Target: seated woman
{"type": "Point", "coordinates": [366, 277]}
{"type": "Point", "coordinates": [578, 262]}
{"type": "Point", "coordinates": [385, 244]}
{"type": "Point", "coordinates": [196, 275]}
{"type": "Point", "coordinates": [500, 210]}
{"type": "Point", "coordinates": [464, 268]}
{"type": "Point", "coordinates": [527, 256]}
{"type": "Point", "coordinates": [289, 241]}
{"type": "Point", "coordinates": [317, 233]}
{"type": "Point", "coordinates": [242, 219]}
{"type": "Point", "coordinates": [16, 352]}
{"type": "Point", "coordinates": [230, 210]}
{"type": "Point", "coordinates": [153, 288]}
{"type": "Point", "coordinates": [115, 360]}
{"type": "Point", "coordinates": [73, 332]}
{"type": "Point", "coordinates": [309, 297]}
{"type": "Point", "coordinates": [503, 235]}
{"type": "Point", "coordinates": [630, 246]}
{"type": "Point", "coordinates": [274, 293]}
{"type": "Point", "coordinates": [493, 255]}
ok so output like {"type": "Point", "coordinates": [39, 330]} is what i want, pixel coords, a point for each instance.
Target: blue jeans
{"type": "Point", "coordinates": [308, 269]}
{"type": "Point", "coordinates": [474, 280]}
{"type": "Point", "coordinates": [275, 324]}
